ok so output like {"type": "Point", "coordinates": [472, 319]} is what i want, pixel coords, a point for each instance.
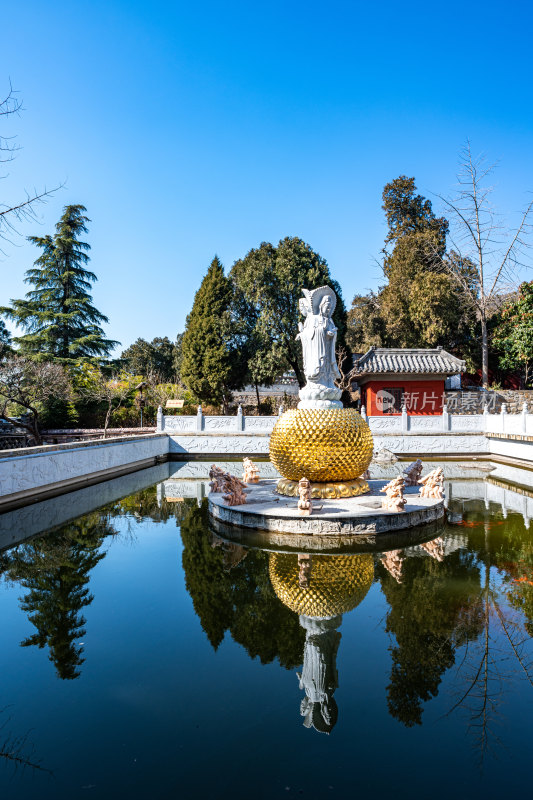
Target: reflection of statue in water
{"type": "Point", "coordinates": [320, 589]}
{"type": "Point", "coordinates": [318, 336]}
{"type": "Point", "coordinates": [319, 677]}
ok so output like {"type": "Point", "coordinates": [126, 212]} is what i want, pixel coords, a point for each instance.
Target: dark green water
{"type": "Point", "coordinates": [143, 657]}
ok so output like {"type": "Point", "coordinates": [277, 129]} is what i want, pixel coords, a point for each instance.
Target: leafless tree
{"type": "Point", "coordinates": [158, 391]}
{"type": "Point", "coordinates": [12, 214]}
{"type": "Point", "coordinates": [110, 391]}
{"type": "Point", "coordinates": [27, 384]}
{"type": "Point", "coordinates": [347, 370]}
{"type": "Point", "coordinates": [486, 254]}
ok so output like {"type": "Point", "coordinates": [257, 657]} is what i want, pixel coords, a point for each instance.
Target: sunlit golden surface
{"type": "Point", "coordinates": [336, 583]}
{"type": "Point", "coordinates": [322, 444]}
{"type": "Point", "coordinates": [325, 490]}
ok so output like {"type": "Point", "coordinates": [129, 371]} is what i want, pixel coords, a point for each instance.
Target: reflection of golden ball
{"type": "Point", "coordinates": [321, 444]}
{"type": "Point", "coordinates": [336, 583]}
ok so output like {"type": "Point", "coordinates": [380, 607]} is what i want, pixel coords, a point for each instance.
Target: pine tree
{"type": "Point", "coordinates": [209, 365]}
{"type": "Point", "coordinates": [60, 321]}
{"type": "Point", "coordinates": [5, 340]}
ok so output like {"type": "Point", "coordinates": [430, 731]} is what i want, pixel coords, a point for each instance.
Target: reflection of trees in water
{"type": "Point", "coordinates": [428, 620]}
{"type": "Point", "coordinates": [503, 651]}
{"type": "Point", "coordinates": [240, 601]}
{"type": "Point", "coordinates": [146, 505]}
{"type": "Point", "coordinates": [478, 599]}
{"type": "Point", "coordinates": [55, 568]}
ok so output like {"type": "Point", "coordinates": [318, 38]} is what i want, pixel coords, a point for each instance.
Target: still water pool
{"type": "Point", "coordinates": [143, 656]}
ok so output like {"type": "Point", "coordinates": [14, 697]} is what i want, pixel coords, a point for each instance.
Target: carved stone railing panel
{"type": "Point", "coordinates": [259, 424]}
{"type": "Point", "coordinates": [220, 424]}
{"type": "Point", "coordinates": [467, 422]}
{"type": "Point", "coordinates": [385, 424]}
{"type": "Point", "coordinates": [426, 424]}
{"type": "Point", "coordinates": [180, 424]}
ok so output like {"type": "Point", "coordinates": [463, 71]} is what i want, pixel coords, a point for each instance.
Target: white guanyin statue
{"type": "Point", "coordinates": [318, 336]}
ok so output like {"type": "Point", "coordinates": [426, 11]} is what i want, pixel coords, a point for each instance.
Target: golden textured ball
{"type": "Point", "coordinates": [321, 444]}
{"type": "Point", "coordinates": [336, 583]}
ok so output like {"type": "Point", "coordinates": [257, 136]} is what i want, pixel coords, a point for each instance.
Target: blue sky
{"type": "Point", "coordinates": [194, 129]}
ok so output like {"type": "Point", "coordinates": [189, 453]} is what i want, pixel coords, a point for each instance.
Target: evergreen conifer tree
{"type": "Point", "coordinates": [5, 340]}
{"type": "Point", "coordinates": [60, 321]}
{"type": "Point", "coordinates": [209, 366]}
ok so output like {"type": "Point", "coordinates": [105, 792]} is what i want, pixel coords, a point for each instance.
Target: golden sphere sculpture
{"type": "Point", "coordinates": [337, 583]}
{"type": "Point", "coordinates": [327, 446]}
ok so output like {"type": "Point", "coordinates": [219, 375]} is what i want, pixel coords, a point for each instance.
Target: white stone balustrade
{"type": "Point", "coordinates": [53, 468]}
{"type": "Point", "coordinates": [510, 423]}
{"type": "Point", "coordinates": [239, 423]}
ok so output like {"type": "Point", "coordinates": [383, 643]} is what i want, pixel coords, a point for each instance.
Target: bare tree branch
{"type": "Point", "coordinates": [486, 254]}
{"type": "Point", "coordinates": [11, 214]}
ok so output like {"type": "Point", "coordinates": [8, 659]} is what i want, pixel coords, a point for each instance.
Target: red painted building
{"type": "Point", "coordinates": [392, 377]}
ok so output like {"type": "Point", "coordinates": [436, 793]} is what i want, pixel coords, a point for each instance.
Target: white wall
{"type": "Point", "coordinates": [26, 471]}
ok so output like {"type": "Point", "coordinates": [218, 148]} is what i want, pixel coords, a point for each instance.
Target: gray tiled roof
{"type": "Point", "coordinates": [380, 360]}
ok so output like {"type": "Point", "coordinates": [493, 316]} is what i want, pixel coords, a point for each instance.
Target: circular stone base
{"type": "Point", "coordinates": [324, 491]}
{"type": "Point", "coordinates": [265, 510]}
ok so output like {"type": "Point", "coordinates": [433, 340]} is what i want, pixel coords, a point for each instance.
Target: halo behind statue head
{"type": "Point", "coordinates": [315, 297]}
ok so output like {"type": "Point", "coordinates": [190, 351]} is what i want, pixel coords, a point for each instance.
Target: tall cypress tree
{"type": "Point", "coordinates": [60, 321]}
{"type": "Point", "coordinates": [209, 367]}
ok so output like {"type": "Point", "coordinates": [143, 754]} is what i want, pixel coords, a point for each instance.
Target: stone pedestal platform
{"type": "Point", "coordinates": [266, 510]}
